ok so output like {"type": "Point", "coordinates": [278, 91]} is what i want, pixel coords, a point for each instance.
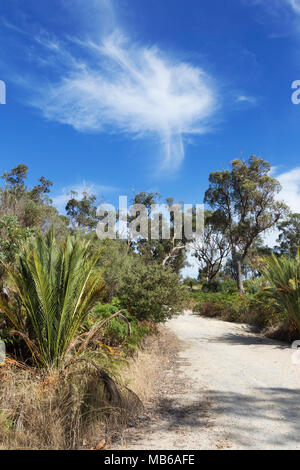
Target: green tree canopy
{"type": "Point", "coordinates": [289, 237]}
{"type": "Point", "coordinates": [82, 212]}
{"type": "Point", "coordinates": [245, 205]}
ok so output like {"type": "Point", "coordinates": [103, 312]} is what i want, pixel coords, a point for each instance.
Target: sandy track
{"type": "Point", "coordinates": [230, 389]}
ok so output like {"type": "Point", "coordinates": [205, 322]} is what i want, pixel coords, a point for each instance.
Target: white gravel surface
{"type": "Point", "coordinates": [231, 389]}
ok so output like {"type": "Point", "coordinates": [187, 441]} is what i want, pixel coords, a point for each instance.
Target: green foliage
{"type": "Point", "coordinates": [147, 290]}
{"type": "Point", "coordinates": [225, 286]}
{"type": "Point", "coordinates": [12, 238]}
{"type": "Point", "coordinates": [56, 286]}
{"type": "Point", "coordinates": [83, 212]}
{"type": "Point", "coordinates": [116, 331]}
{"type": "Point", "coordinates": [15, 179]}
{"type": "Point", "coordinates": [213, 286]}
{"type": "Point", "coordinates": [289, 238]}
{"type": "Point", "coordinates": [31, 207]}
{"type": "Point", "coordinates": [150, 292]}
{"type": "Point", "coordinates": [228, 286]}
{"type": "Point", "coordinates": [254, 286]}
{"type": "Point", "coordinates": [234, 307]}
{"type": "Point", "coordinates": [245, 205]}
{"type": "Point", "coordinates": [283, 276]}
{"type": "Point", "coordinates": [114, 260]}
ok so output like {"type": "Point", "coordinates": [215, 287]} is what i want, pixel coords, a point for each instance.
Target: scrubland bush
{"type": "Point", "coordinates": [119, 333]}
{"type": "Point", "coordinates": [235, 307]}
{"type": "Point", "coordinates": [148, 291]}
{"type": "Point", "coordinates": [271, 302]}
{"type": "Point", "coordinates": [66, 387]}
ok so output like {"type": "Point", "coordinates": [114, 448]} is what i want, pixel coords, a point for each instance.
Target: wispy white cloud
{"type": "Point", "coordinates": [60, 199]}
{"type": "Point", "coordinates": [290, 194]}
{"type": "Point", "coordinates": [246, 99]}
{"type": "Point", "coordinates": [134, 89]}
{"type": "Point", "coordinates": [290, 182]}
{"type": "Point", "coordinates": [103, 81]}
{"type": "Point", "coordinates": [7, 24]}
{"type": "Point", "coordinates": [295, 4]}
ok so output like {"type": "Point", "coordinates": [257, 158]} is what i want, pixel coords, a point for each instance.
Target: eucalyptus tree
{"type": "Point", "coordinates": [82, 211]}
{"type": "Point", "coordinates": [245, 205]}
{"type": "Point", "coordinates": [169, 251]}
{"type": "Point", "coordinates": [212, 250]}
{"type": "Point", "coordinates": [32, 207]}
{"type": "Point", "coordinates": [289, 237]}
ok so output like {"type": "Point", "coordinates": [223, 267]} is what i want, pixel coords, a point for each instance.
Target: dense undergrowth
{"type": "Point", "coordinates": [263, 305]}
{"type": "Point", "coordinates": [78, 404]}
{"type": "Point", "coordinates": [76, 311]}
{"type": "Point", "coordinates": [69, 342]}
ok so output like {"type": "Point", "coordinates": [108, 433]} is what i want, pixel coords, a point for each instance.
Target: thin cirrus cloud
{"type": "Point", "coordinates": [246, 99]}
{"type": "Point", "coordinates": [139, 91]}
{"type": "Point", "coordinates": [295, 4]}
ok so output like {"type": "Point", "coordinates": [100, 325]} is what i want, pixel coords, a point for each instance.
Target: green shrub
{"type": "Point", "coordinates": [115, 332]}
{"type": "Point", "coordinates": [228, 285]}
{"type": "Point", "coordinates": [213, 286]}
{"type": "Point", "coordinates": [283, 276]}
{"type": "Point", "coordinates": [150, 292]}
{"type": "Point", "coordinates": [253, 286]}
{"type": "Point", "coordinates": [234, 307]}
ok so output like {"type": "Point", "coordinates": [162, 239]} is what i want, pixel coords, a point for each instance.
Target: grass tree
{"type": "Point", "coordinates": [55, 287]}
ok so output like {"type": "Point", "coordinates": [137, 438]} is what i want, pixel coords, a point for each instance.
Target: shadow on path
{"type": "Point", "coordinates": [251, 415]}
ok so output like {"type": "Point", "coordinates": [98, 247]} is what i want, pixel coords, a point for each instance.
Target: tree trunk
{"type": "Point", "coordinates": [238, 270]}
{"type": "Point", "coordinates": [239, 276]}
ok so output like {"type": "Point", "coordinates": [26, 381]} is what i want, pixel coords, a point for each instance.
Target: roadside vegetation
{"type": "Point", "coordinates": [76, 312]}
{"type": "Point", "coordinates": [240, 278]}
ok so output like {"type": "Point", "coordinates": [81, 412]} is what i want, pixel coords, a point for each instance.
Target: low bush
{"type": "Point", "coordinates": [116, 333]}
{"type": "Point", "coordinates": [234, 307]}
{"type": "Point", "coordinates": [150, 292]}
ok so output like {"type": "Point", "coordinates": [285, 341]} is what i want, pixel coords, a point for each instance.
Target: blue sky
{"type": "Point", "coordinates": [149, 94]}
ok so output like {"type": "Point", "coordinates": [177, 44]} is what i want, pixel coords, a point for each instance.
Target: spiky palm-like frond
{"type": "Point", "coordinates": [56, 287]}
{"type": "Point", "coordinates": [283, 275]}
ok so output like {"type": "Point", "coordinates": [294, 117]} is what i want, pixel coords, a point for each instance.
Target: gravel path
{"type": "Point", "coordinates": [228, 389]}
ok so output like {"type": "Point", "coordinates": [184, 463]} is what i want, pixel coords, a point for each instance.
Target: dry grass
{"type": "Point", "coordinates": [71, 409]}
{"type": "Point", "coordinates": [56, 410]}
{"type": "Point", "coordinates": [143, 373]}
{"type": "Point", "coordinates": [282, 331]}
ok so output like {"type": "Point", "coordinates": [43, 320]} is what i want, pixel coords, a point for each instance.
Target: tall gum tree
{"type": "Point", "coordinates": [245, 205]}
